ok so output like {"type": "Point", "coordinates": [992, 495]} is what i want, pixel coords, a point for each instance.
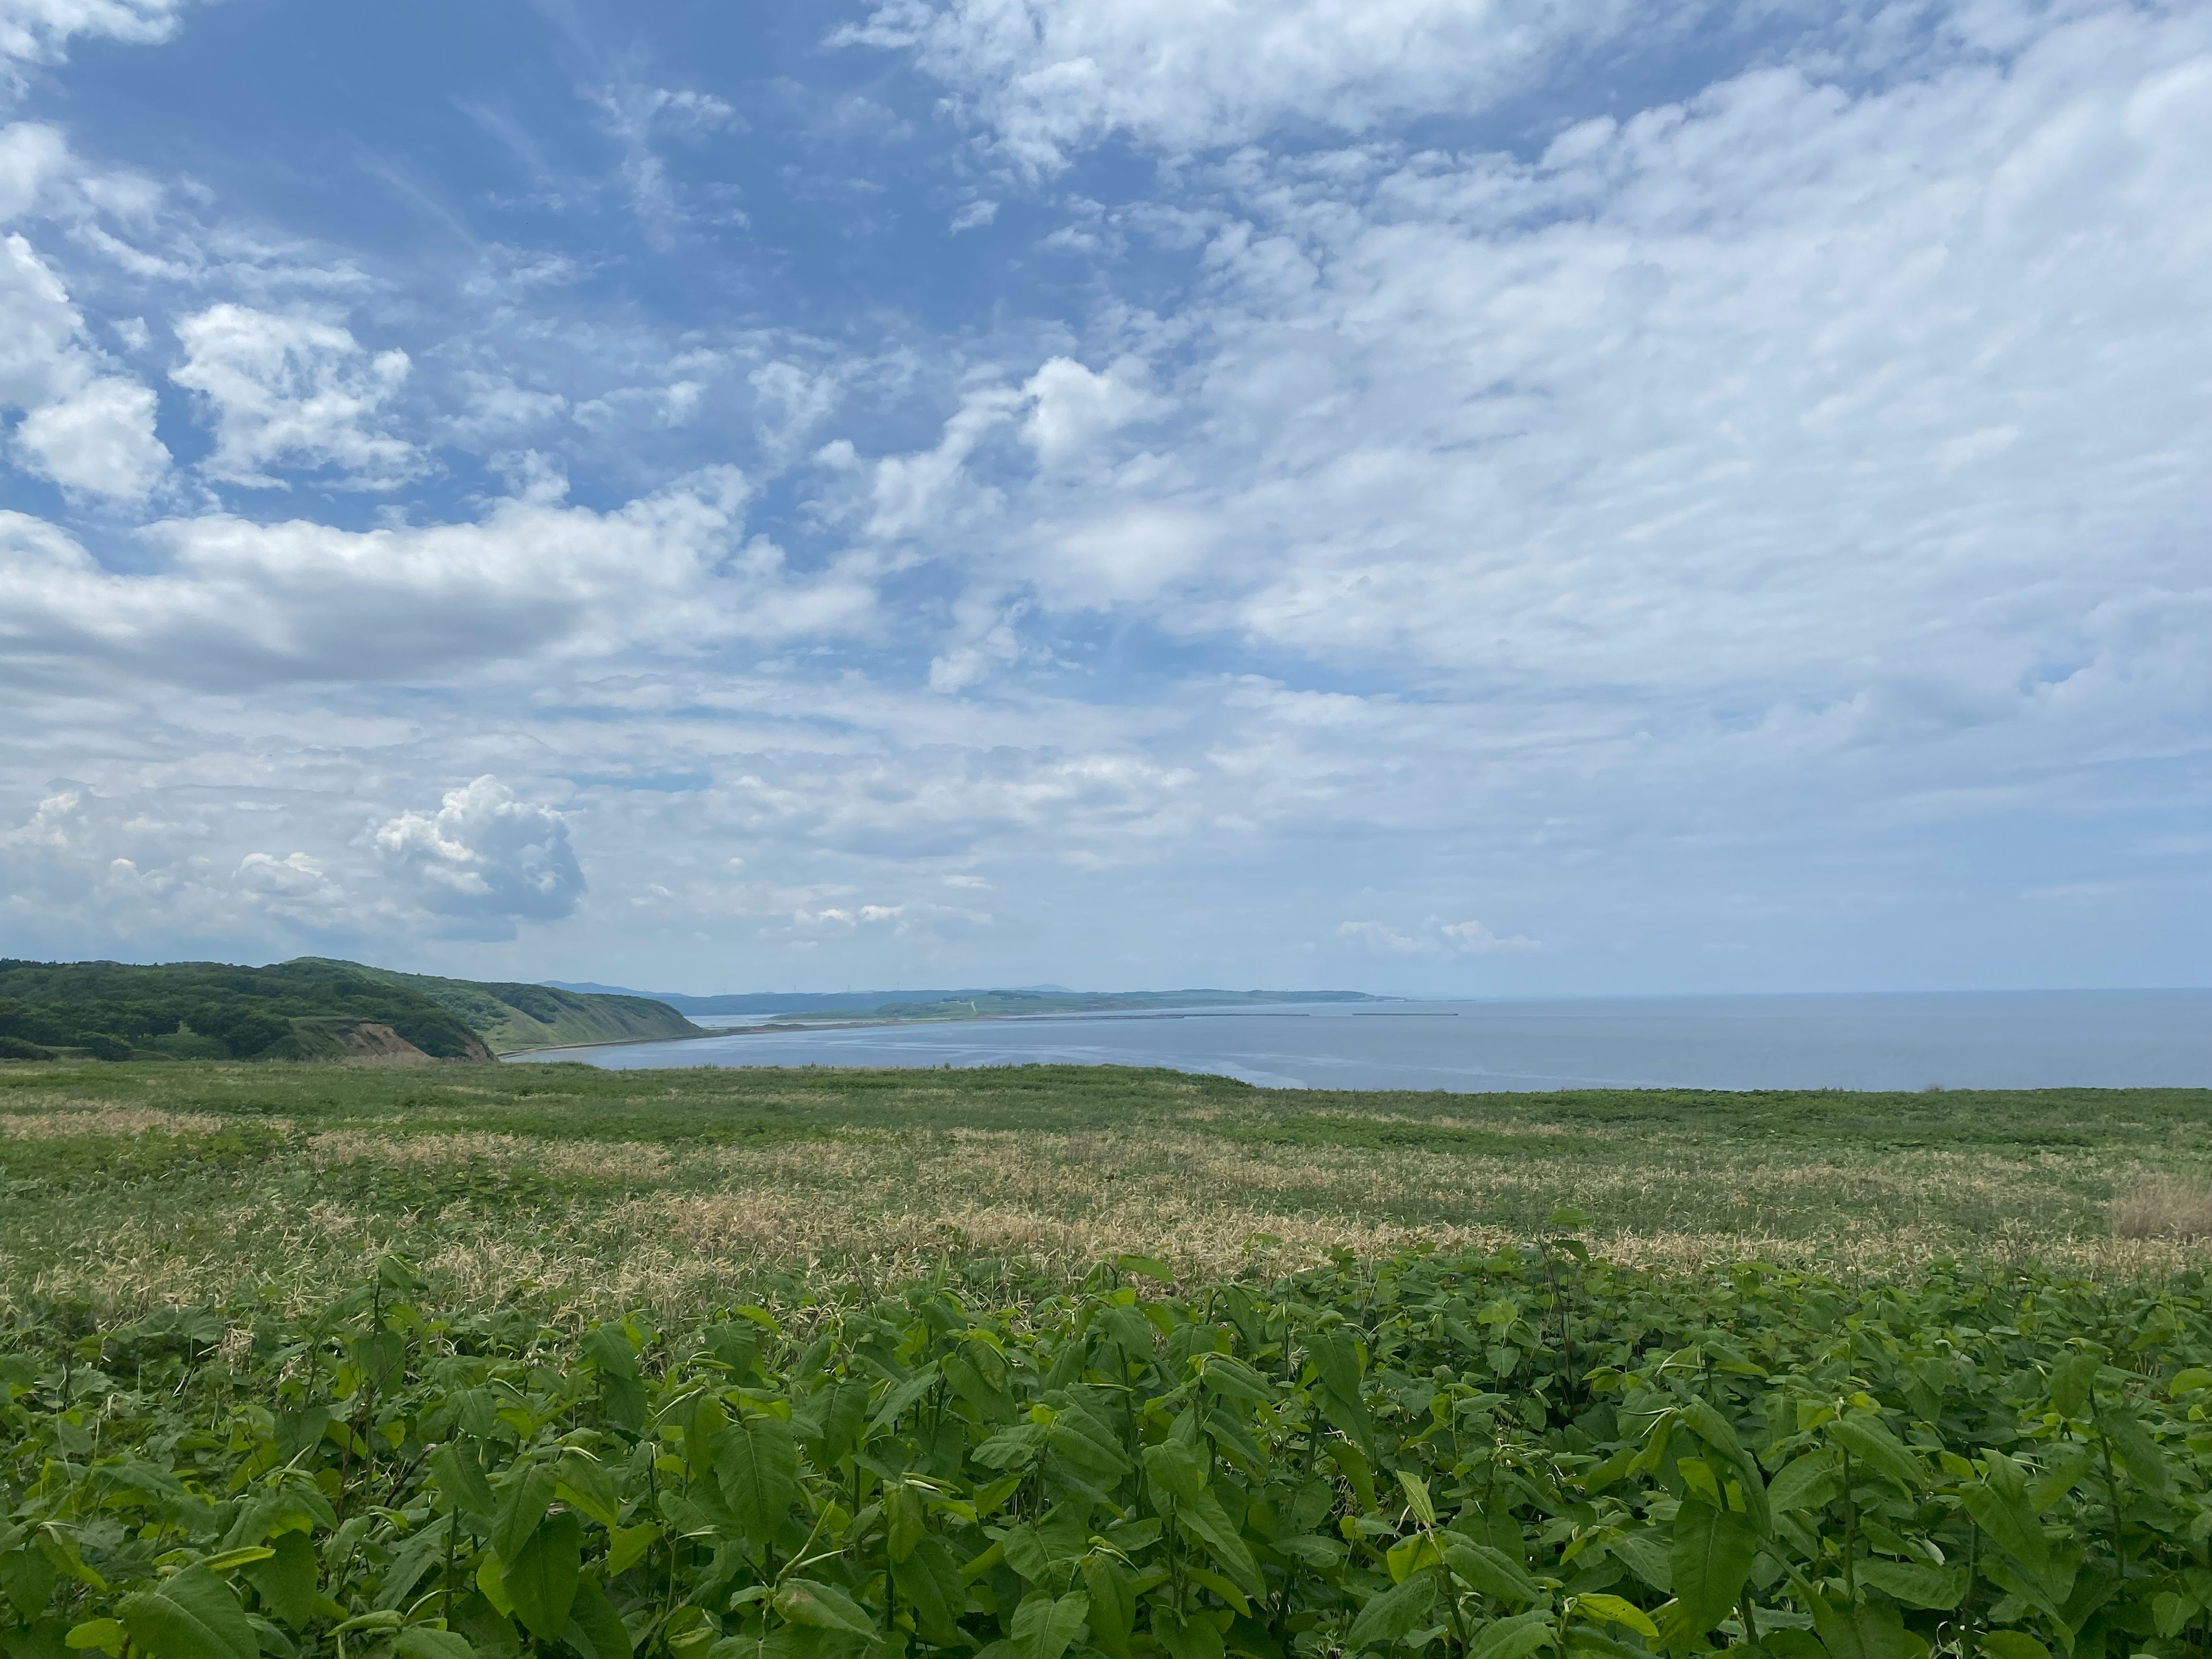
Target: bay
{"type": "Point", "coordinates": [1881, 1041]}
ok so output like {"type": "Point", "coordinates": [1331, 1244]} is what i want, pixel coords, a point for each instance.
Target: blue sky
{"type": "Point", "coordinates": [1422, 496]}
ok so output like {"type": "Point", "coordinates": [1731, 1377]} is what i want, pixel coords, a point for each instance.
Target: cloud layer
{"type": "Point", "coordinates": [1421, 494]}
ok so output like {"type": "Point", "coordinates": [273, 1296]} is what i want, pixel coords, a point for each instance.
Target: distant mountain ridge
{"type": "Point", "coordinates": [959, 1004]}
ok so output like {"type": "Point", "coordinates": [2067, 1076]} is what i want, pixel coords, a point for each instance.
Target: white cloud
{"type": "Point", "coordinates": [1073, 408]}
{"type": "Point", "coordinates": [85, 428]}
{"type": "Point", "coordinates": [1050, 75]}
{"type": "Point", "coordinates": [1784, 398]}
{"type": "Point", "coordinates": [974, 217]}
{"type": "Point", "coordinates": [485, 858]}
{"type": "Point", "coordinates": [242, 603]}
{"type": "Point", "coordinates": [1434, 939]}
{"type": "Point", "coordinates": [1472, 939]}
{"type": "Point", "coordinates": [38, 30]}
{"type": "Point", "coordinates": [100, 439]}
{"type": "Point", "coordinates": [293, 392]}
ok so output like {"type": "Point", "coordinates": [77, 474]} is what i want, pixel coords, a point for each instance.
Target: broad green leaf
{"type": "Point", "coordinates": [1113, 1604]}
{"type": "Point", "coordinates": [1806, 1482]}
{"type": "Point", "coordinates": [1409, 1555]}
{"type": "Point", "coordinates": [805, 1602]}
{"type": "Point", "coordinates": [423, 1642]}
{"type": "Point", "coordinates": [906, 1522]}
{"type": "Point", "coordinates": [1877, 1449]}
{"type": "Point", "coordinates": [286, 1581]}
{"type": "Point", "coordinates": [541, 1579]}
{"type": "Point", "coordinates": [2073, 1376]}
{"type": "Point", "coordinates": [757, 1467]}
{"type": "Point", "coordinates": [106, 1634]}
{"type": "Point", "coordinates": [629, 1545]}
{"type": "Point", "coordinates": [1204, 1518]}
{"type": "Point", "coordinates": [522, 1504]}
{"type": "Point", "coordinates": [193, 1615]}
{"type": "Point", "coordinates": [595, 1630]}
{"type": "Point", "coordinates": [1395, 1614]}
{"type": "Point", "coordinates": [1710, 1426]}
{"type": "Point", "coordinates": [493, 1583]}
{"type": "Point", "coordinates": [1206, 1579]}
{"type": "Point", "coordinates": [928, 1580]}
{"type": "Point", "coordinates": [1512, 1638]}
{"type": "Point", "coordinates": [1641, 1554]}
{"type": "Point", "coordinates": [2138, 1451]}
{"type": "Point", "coordinates": [1490, 1571]}
{"type": "Point", "coordinates": [2013, 1644]}
{"type": "Point", "coordinates": [1043, 1626]}
{"type": "Point", "coordinates": [2011, 1525]}
{"type": "Point", "coordinates": [1196, 1637]}
{"type": "Point", "coordinates": [1616, 1610]}
{"type": "Point", "coordinates": [584, 1484]}
{"type": "Point", "coordinates": [231, 1560]}
{"type": "Point", "coordinates": [1865, 1629]}
{"type": "Point", "coordinates": [1915, 1584]}
{"type": "Point", "coordinates": [1709, 1560]}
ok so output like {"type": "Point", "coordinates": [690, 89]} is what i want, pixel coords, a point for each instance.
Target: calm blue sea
{"type": "Point", "coordinates": [2007, 1040]}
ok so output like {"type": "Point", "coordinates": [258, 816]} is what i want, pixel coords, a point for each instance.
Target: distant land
{"type": "Point", "coordinates": [975, 1003]}
{"type": "Point", "coordinates": [311, 1008]}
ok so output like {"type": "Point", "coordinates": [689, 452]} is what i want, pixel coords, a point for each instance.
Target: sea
{"type": "Point", "coordinates": [1967, 1040]}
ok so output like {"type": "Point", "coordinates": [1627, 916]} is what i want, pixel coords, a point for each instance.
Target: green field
{"type": "Point", "coordinates": [479, 1362]}
{"type": "Point", "coordinates": [127, 1186]}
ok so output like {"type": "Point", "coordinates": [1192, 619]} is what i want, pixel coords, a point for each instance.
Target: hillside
{"type": "Point", "coordinates": [511, 1017]}
{"type": "Point", "coordinates": [306, 1009]}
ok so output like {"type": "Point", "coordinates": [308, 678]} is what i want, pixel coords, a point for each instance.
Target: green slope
{"type": "Point", "coordinates": [305, 1010]}
{"type": "Point", "coordinates": [512, 1017]}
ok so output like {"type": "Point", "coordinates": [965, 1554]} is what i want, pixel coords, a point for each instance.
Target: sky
{"type": "Point", "coordinates": [1476, 497]}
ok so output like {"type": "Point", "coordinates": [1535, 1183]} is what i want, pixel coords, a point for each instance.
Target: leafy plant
{"type": "Point", "coordinates": [1488, 1456]}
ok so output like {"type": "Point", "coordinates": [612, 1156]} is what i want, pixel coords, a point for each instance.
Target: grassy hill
{"type": "Point", "coordinates": [310, 1009]}
{"type": "Point", "coordinates": [306, 1010]}
{"type": "Point", "coordinates": [511, 1018]}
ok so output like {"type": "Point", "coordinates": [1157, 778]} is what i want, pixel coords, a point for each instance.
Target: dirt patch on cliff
{"type": "Point", "coordinates": [371, 1044]}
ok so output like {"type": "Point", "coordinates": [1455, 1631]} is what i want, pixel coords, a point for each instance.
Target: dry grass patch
{"type": "Point", "coordinates": [2162, 1206]}
{"type": "Point", "coordinates": [106, 1123]}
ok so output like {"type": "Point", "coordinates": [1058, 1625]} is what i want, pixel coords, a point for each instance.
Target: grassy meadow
{"type": "Point", "coordinates": [128, 1186]}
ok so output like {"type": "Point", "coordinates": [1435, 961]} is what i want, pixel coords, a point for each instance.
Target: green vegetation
{"type": "Point", "coordinates": [310, 1009]}
{"type": "Point", "coordinates": [128, 1186]}
{"type": "Point", "coordinates": [511, 1018]}
{"type": "Point", "coordinates": [1085, 1363]}
{"type": "Point", "coordinates": [1478, 1456]}
{"type": "Point", "coordinates": [305, 1010]}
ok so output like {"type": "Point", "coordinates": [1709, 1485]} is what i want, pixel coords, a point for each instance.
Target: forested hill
{"type": "Point", "coordinates": [211, 1010]}
{"type": "Point", "coordinates": [511, 1017]}
{"type": "Point", "coordinates": [309, 1009]}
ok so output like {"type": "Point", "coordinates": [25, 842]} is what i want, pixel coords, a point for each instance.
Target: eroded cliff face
{"type": "Point", "coordinates": [371, 1044]}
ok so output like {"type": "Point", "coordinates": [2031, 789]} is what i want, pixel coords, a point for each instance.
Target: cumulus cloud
{"type": "Point", "coordinates": [1071, 408]}
{"type": "Point", "coordinates": [287, 392]}
{"type": "Point", "coordinates": [485, 859]}
{"type": "Point", "coordinates": [84, 428]}
{"type": "Point", "coordinates": [1051, 77]}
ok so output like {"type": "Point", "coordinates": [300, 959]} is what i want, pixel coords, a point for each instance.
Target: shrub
{"type": "Point", "coordinates": [16, 1049]}
{"type": "Point", "coordinates": [102, 1045]}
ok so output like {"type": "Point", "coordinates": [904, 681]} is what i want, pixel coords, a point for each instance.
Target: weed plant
{"type": "Point", "coordinates": [1474, 1456]}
